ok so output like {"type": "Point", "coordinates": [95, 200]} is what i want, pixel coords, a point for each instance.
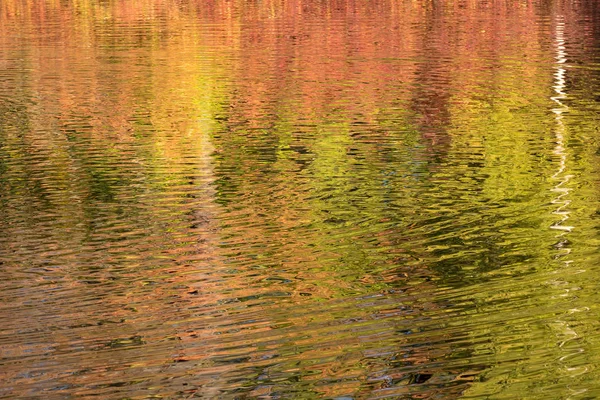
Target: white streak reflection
{"type": "Point", "coordinates": [561, 200]}
{"type": "Point", "coordinates": [567, 336]}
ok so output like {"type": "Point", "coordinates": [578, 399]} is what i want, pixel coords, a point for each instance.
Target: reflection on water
{"type": "Point", "coordinates": [299, 199]}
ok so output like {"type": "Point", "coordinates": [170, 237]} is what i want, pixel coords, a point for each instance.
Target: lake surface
{"type": "Point", "coordinates": [300, 199]}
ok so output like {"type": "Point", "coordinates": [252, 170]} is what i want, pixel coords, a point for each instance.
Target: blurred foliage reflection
{"type": "Point", "coordinates": [299, 199]}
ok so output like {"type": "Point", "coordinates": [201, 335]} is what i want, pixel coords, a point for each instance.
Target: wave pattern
{"type": "Point", "coordinates": [299, 199]}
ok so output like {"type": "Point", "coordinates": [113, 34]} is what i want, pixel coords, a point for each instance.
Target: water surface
{"type": "Point", "coordinates": [299, 199]}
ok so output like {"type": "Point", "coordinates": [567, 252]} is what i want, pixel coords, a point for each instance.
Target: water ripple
{"type": "Point", "coordinates": [298, 199]}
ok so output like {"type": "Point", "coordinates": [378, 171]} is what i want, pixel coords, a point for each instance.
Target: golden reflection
{"type": "Point", "coordinates": [324, 198]}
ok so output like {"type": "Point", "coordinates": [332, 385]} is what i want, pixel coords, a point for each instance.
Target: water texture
{"type": "Point", "coordinates": [299, 199]}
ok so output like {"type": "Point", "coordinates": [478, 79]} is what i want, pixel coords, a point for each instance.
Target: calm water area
{"type": "Point", "coordinates": [300, 199]}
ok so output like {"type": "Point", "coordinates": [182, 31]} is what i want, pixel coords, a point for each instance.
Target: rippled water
{"type": "Point", "coordinates": [299, 199]}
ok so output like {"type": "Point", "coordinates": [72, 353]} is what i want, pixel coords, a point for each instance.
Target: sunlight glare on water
{"type": "Point", "coordinates": [299, 199]}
